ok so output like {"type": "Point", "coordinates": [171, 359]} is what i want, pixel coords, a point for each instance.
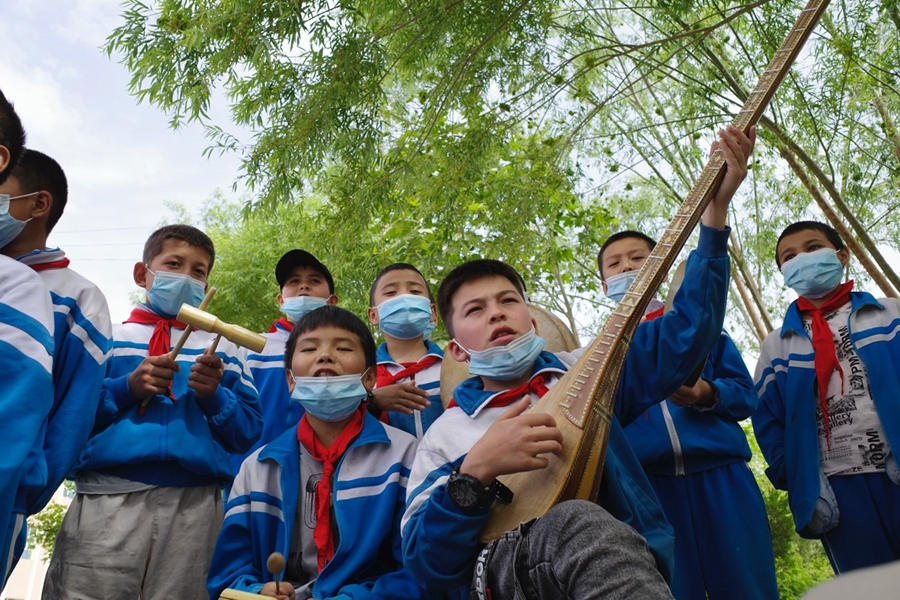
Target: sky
{"type": "Point", "coordinates": [122, 160]}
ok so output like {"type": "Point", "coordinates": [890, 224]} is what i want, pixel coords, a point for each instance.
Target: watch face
{"type": "Point", "coordinates": [464, 490]}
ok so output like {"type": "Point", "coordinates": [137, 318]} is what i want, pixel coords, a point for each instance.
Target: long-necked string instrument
{"type": "Point", "coordinates": [582, 401]}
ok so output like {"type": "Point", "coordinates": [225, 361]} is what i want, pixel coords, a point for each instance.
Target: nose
{"type": "Point", "coordinates": [496, 312]}
{"type": "Point", "coordinates": [324, 356]}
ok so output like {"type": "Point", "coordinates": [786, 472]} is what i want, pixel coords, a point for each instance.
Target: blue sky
{"type": "Point", "coordinates": [122, 160]}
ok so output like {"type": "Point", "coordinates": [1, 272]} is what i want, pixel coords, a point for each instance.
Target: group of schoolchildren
{"type": "Point", "coordinates": [192, 467]}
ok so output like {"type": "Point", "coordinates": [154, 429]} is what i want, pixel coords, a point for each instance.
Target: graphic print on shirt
{"type": "Point", "coordinates": [858, 444]}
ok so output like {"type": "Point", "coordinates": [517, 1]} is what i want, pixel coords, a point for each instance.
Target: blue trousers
{"type": "Point", "coordinates": [868, 530]}
{"type": "Point", "coordinates": [723, 549]}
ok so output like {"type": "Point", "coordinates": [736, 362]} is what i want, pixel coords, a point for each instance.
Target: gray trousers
{"type": "Point", "coordinates": [577, 550]}
{"type": "Point", "coordinates": [154, 544]}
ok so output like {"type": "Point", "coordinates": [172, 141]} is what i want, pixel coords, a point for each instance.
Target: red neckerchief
{"type": "Point", "coordinates": [505, 398]}
{"type": "Point", "coordinates": [329, 458]}
{"type": "Point", "coordinates": [386, 378]}
{"type": "Point", "coordinates": [655, 313]}
{"type": "Point", "coordinates": [283, 322]}
{"type": "Point", "coordinates": [160, 340]}
{"type": "Point", "coordinates": [826, 360]}
{"type": "Point", "coordinates": [56, 264]}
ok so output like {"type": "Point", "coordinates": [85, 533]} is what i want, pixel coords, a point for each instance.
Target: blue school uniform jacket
{"type": "Point", "coordinates": [679, 440]}
{"type": "Point", "coordinates": [785, 422]}
{"type": "Point", "coordinates": [279, 412]}
{"type": "Point", "coordinates": [440, 542]}
{"type": "Point", "coordinates": [179, 443]}
{"type": "Point", "coordinates": [82, 340]}
{"type": "Point", "coordinates": [428, 379]}
{"type": "Point", "coordinates": [368, 490]}
{"type": "Point", "coordinates": [26, 395]}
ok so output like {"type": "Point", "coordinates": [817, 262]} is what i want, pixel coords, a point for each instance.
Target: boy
{"type": "Point", "coordinates": [828, 421]}
{"type": "Point", "coordinates": [457, 462]}
{"type": "Point", "coordinates": [82, 328]}
{"type": "Point", "coordinates": [409, 366]}
{"type": "Point", "coordinates": [695, 454]}
{"type": "Point", "coordinates": [26, 348]}
{"type": "Point", "coordinates": [305, 284]}
{"type": "Point", "coordinates": [149, 506]}
{"type": "Point", "coordinates": [329, 493]}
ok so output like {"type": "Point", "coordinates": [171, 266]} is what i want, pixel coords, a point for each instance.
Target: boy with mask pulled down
{"type": "Point", "coordinates": [828, 420]}
{"type": "Point", "coordinates": [149, 504]}
{"type": "Point", "coordinates": [328, 493]}
{"type": "Point", "coordinates": [407, 391]}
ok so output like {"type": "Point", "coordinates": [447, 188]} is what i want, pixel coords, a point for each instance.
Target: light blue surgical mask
{"type": "Point", "coordinates": [509, 361]}
{"type": "Point", "coordinates": [813, 274]}
{"type": "Point", "coordinates": [10, 227]}
{"type": "Point", "coordinates": [170, 290]}
{"type": "Point", "coordinates": [405, 317]}
{"type": "Point", "coordinates": [330, 398]}
{"type": "Point", "coordinates": [297, 306]}
{"type": "Point", "coordinates": [617, 285]}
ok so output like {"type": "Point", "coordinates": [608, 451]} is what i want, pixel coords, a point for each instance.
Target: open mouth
{"type": "Point", "coordinates": [325, 373]}
{"type": "Point", "coordinates": [503, 335]}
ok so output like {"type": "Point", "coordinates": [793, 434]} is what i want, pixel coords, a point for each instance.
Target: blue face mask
{"type": "Point", "coordinates": [617, 285]}
{"type": "Point", "coordinates": [10, 227]}
{"type": "Point", "coordinates": [330, 398]}
{"type": "Point", "coordinates": [170, 290]}
{"type": "Point", "coordinates": [511, 361]}
{"type": "Point", "coordinates": [813, 274]}
{"type": "Point", "coordinates": [405, 317]}
{"type": "Point", "coordinates": [297, 306]}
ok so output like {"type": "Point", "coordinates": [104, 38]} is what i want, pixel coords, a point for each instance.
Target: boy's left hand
{"type": "Point", "coordinates": [701, 394]}
{"type": "Point", "coordinates": [736, 148]}
{"type": "Point", "coordinates": [205, 375]}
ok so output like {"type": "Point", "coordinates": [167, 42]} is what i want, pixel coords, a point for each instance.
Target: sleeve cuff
{"type": "Point", "coordinates": [214, 405]}
{"type": "Point", "coordinates": [121, 393]}
{"type": "Point", "coordinates": [713, 243]}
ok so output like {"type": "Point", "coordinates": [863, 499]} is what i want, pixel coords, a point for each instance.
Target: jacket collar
{"type": "Point", "coordinates": [283, 449]}
{"type": "Point", "coordinates": [382, 355]}
{"type": "Point", "coordinates": [471, 397]}
{"type": "Point", "coordinates": [793, 320]}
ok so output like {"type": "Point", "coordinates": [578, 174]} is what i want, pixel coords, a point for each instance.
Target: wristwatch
{"type": "Point", "coordinates": [472, 496]}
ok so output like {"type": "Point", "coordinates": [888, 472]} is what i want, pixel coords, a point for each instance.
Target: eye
{"type": "Point", "coordinates": [416, 292]}
{"type": "Point", "coordinates": [814, 246]}
{"type": "Point", "coordinates": [345, 349]}
{"type": "Point", "coordinates": [787, 257]}
{"type": "Point", "coordinates": [471, 310]}
{"type": "Point", "coordinates": [306, 349]}
{"type": "Point", "coordinates": [510, 300]}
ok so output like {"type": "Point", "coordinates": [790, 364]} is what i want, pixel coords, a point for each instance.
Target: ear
{"type": "Point", "coordinates": [280, 299]}
{"type": "Point", "coordinates": [844, 256]}
{"type": "Point", "coordinates": [603, 285]}
{"type": "Point", "coordinates": [332, 300]}
{"type": "Point", "coordinates": [43, 201]}
{"type": "Point", "coordinates": [140, 274]}
{"type": "Point", "coordinates": [456, 351]}
{"type": "Point", "coordinates": [372, 314]}
{"type": "Point", "coordinates": [534, 324]}
{"type": "Point", "coordinates": [4, 157]}
{"type": "Point", "coordinates": [369, 378]}
{"type": "Point", "coordinates": [290, 380]}
{"type": "Point", "coordinates": [433, 313]}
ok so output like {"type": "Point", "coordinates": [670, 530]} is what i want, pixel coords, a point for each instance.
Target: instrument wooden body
{"type": "Point", "coordinates": [230, 594]}
{"type": "Point", "coordinates": [209, 322]}
{"type": "Point", "coordinates": [582, 401]}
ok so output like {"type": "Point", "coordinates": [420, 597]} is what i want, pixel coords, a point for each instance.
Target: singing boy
{"type": "Point", "coordinates": [82, 329]}
{"type": "Point", "coordinates": [695, 455]}
{"type": "Point", "coordinates": [828, 420]}
{"type": "Point", "coordinates": [327, 494]}
{"type": "Point", "coordinates": [578, 549]}
{"type": "Point", "coordinates": [407, 391]}
{"type": "Point", "coordinates": [148, 505]}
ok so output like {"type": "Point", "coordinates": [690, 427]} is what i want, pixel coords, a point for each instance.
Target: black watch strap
{"type": "Point", "coordinates": [469, 494]}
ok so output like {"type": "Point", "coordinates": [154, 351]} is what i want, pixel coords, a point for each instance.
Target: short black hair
{"type": "Point", "coordinates": [12, 134]}
{"type": "Point", "coordinates": [470, 271]}
{"type": "Point", "coordinates": [185, 233]}
{"type": "Point", "coordinates": [36, 172]}
{"type": "Point", "coordinates": [830, 234]}
{"type": "Point", "coordinates": [397, 266]}
{"type": "Point", "coordinates": [628, 233]}
{"type": "Point", "coordinates": [334, 316]}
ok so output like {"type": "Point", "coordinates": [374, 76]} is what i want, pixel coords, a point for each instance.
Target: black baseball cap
{"type": "Point", "coordinates": [300, 258]}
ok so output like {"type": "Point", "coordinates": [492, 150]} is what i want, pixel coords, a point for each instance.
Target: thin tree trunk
{"type": "Point", "coordinates": [746, 306]}
{"type": "Point", "coordinates": [890, 128]}
{"type": "Point", "coordinates": [836, 222]}
{"type": "Point", "coordinates": [737, 254]}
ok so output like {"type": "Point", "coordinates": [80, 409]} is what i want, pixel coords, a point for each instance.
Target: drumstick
{"type": "Point", "coordinates": [275, 563]}
{"type": "Point", "coordinates": [212, 349]}
{"type": "Point", "coordinates": [182, 340]}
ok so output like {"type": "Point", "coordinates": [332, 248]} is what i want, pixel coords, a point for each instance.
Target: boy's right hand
{"type": "Point", "coordinates": [401, 397]}
{"type": "Point", "coordinates": [513, 444]}
{"type": "Point", "coordinates": [285, 590]}
{"type": "Point", "coordinates": [152, 376]}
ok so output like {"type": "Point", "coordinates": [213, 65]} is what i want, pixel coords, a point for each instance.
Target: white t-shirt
{"type": "Point", "coordinates": [858, 444]}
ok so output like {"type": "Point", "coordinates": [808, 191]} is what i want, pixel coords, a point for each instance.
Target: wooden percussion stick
{"type": "Point", "coordinates": [187, 330]}
{"type": "Point", "coordinates": [212, 349]}
{"type": "Point", "coordinates": [275, 564]}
